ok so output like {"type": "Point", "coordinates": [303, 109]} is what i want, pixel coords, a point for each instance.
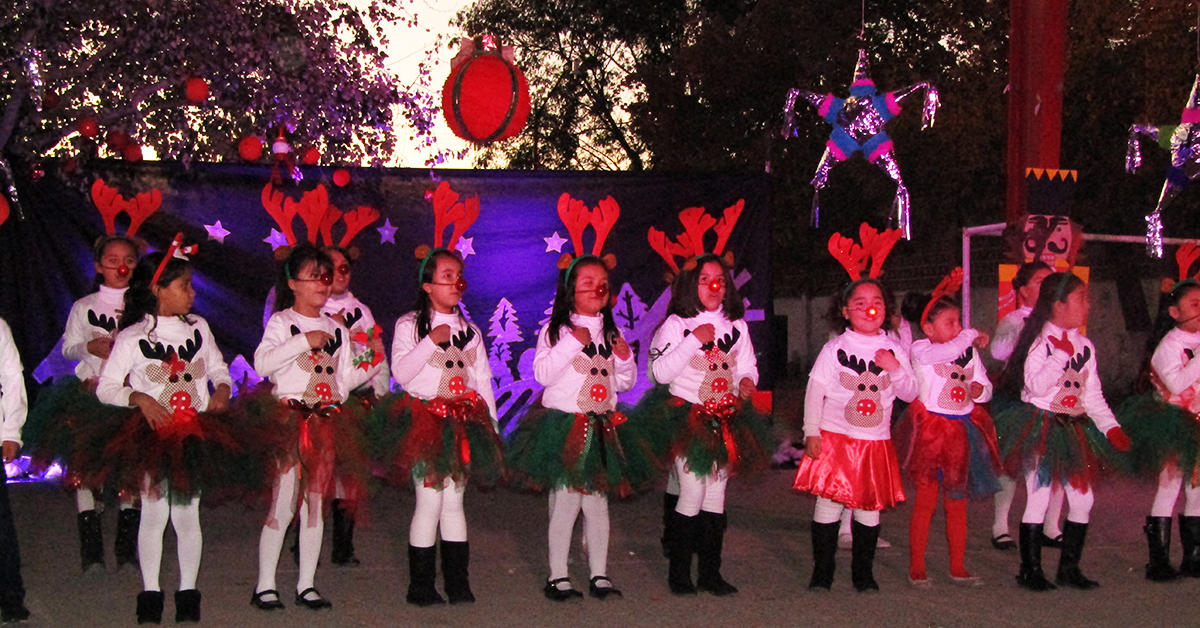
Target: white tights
{"type": "Point", "coordinates": [185, 518]}
{"type": "Point", "coordinates": [1170, 481]}
{"type": "Point", "coordinates": [829, 511]}
{"type": "Point", "coordinates": [1038, 501]}
{"type": "Point", "coordinates": [438, 504]}
{"type": "Point", "coordinates": [565, 505]}
{"type": "Point", "coordinates": [312, 526]}
{"type": "Point", "coordinates": [699, 493]}
{"type": "Point", "coordinates": [1003, 503]}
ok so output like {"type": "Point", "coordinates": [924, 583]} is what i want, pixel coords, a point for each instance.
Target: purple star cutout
{"type": "Point", "coordinates": [387, 233]}
{"type": "Point", "coordinates": [466, 246]}
{"type": "Point", "coordinates": [276, 239]}
{"type": "Point", "coordinates": [216, 232]}
{"type": "Point", "coordinates": [555, 243]}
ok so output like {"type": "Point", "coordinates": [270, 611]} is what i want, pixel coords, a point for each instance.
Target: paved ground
{"type": "Point", "coordinates": [767, 555]}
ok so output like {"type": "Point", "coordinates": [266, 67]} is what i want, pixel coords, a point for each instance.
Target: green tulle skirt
{"type": "Point", "coordinates": [1160, 433]}
{"type": "Point", "coordinates": [1060, 448]}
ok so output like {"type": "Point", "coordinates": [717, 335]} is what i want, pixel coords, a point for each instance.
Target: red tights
{"type": "Point", "coordinates": [918, 531]}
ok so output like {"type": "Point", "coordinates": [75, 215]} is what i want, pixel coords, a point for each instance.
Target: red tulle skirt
{"type": "Point", "coordinates": [960, 453]}
{"type": "Point", "coordinates": [861, 474]}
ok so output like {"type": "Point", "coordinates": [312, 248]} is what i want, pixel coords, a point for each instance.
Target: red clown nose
{"type": "Point", "coordinates": [872, 312]}
{"type": "Point", "coordinates": [602, 291]}
{"type": "Point", "coordinates": [461, 285]}
{"type": "Point", "coordinates": [123, 271]}
{"type": "Point", "coordinates": [716, 285]}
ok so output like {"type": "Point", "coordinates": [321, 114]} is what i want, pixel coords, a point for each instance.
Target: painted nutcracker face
{"type": "Point", "coordinates": [116, 264]}
{"type": "Point", "coordinates": [1047, 238]}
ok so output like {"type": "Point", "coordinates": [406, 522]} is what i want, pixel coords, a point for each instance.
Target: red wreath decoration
{"type": "Point", "coordinates": [486, 97]}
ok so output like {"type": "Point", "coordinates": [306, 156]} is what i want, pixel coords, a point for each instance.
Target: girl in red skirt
{"type": "Point", "coordinates": [849, 459]}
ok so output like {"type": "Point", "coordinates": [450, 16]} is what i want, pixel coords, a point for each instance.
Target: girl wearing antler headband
{"type": "Point", "coordinates": [953, 441]}
{"type": "Point", "coordinates": [575, 442]}
{"type": "Point", "coordinates": [1162, 422]}
{"type": "Point", "coordinates": [849, 459]}
{"type": "Point", "coordinates": [1062, 429]}
{"type": "Point", "coordinates": [704, 363]}
{"type": "Point", "coordinates": [308, 359]}
{"type": "Point", "coordinates": [172, 448]}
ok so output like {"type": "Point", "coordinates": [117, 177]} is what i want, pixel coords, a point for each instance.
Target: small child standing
{"type": "Point", "coordinates": [12, 416]}
{"type": "Point", "coordinates": [849, 459]}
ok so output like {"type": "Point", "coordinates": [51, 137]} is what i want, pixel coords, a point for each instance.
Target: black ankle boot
{"type": "Point", "coordinates": [91, 540]}
{"type": "Point", "coordinates": [150, 607]}
{"type": "Point", "coordinates": [422, 572]}
{"type": "Point", "coordinates": [1158, 537]}
{"type": "Point", "coordinates": [126, 544]}
{"type": "Point", "coordinates": [669, 503]}
{"type": "Point", "coordinates": [12, 606]}
{"type": "Point", "coordinates": [709, 545]}
{"type": "Point", "coordinates": [187, 606]}
{"type": "Point", "coordinates": [343, 535]}
{"type": "Point", "coordinates": [1189, 539]}
{"type": "Point", "coordinates": [456, 555]}
{"type": "Point", "coordinates": [1031, 576]}
{"type": "Point", "coordinates": [1069, 574]}
{"type": "Point", "coordinates": [681, 547]}
{"type": "Point", "coordinates": [862, 556]}
{"type": "Point", "coordinates": [824, 545]}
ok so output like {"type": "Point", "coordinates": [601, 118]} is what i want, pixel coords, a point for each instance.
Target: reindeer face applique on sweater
{"type": "Point", "coordinates": [1068, 399]}
{"type": "Point", "coordinates": [717, 363]}
{"type": "Point", "coordinates": [596, 365]}
{"type": "Point", "coordinates": [321, 365]}
{"type": "Point", "coordinates": [454, 360]}
{"type": "Point", "coordinates": [865, 408]}
{"type": "Point", "coordinates": [179, 373]}
{"type": "Point", "coordinates": [955, 394]}
{"type": "Point", "coordinates": [105, 326]}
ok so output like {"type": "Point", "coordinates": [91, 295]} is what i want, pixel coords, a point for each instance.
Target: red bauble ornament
{"type": "Point", "coordinates": [486, 98]}
{"type": "Point", "coordinates": [310, 155]}
{"type": "Point", "coordinates": [88, 127]}
{"type": "Point", "coordinates": [341, 177]}
{"type": "Point", "coordinates": [50, 100]}
{"type": "Point", "coordinates": [196, 90]}
{"type": "Point", "coordinates": [250, 148]}
{"type": "Point", "coordinates": [116, 140]}
{"type": "Point", "coordinates": [132, 152]}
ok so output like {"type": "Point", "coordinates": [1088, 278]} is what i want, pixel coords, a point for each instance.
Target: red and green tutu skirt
{"type": "Point", "coordinates": [68, 424]}
{"type": "Point", "coordinates": [1161, 433]}
{"type": "Point", "coordinates": [861, 474]}
{"type": "Point", "coordinates": [709, 437]}
{"type": "Point", "coordinates": [1061, 448]}
{"type": "Point", "coordinates": [435, 439]}
{"type": "Point", "coordinates": [589, 453]}
{"type": "Point", "coordinates": [959, 451]}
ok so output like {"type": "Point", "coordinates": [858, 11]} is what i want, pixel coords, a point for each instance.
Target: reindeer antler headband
{"type": "Point", "coordinates": [948, 285]}
{"type": "Point", "coordinates": [447, 210]}
{"type": "Point", "coordinates": [318, 215]}
{"type": "Point", "coordinates": [1185, 256]}
{"type": "Point", "coordinates": [176, 250]}
{"type": "Point", "coordinates": [109, 203]}
{"type": "Point", "coordinates": [690, 243]}
{"type": "Point", "coordinates": [854, 257]}
{"type": "Point", "coordinates": [576, 217]}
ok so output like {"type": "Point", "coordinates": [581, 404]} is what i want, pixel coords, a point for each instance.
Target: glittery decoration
{"type": "Point", "coordinates": [11, 186]}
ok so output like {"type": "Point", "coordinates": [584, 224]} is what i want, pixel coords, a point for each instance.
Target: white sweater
{"type": "Point", "coordinates": [166, 358]}
{"type": "Point", "coordinates": [581, 378]}
{"type": "Point", "coordinates": [420, 366]}
{"type": "Point", "coordinates": [849, 394]}
{"type": "Point", "coordinates": [285, 357]}
{"type": "Point", "coordinates": [94, 316]}
{"type": "Point", "coordinates": [13, 404]}
{"type": "Point", "coordinates": [944, 372]}
{"type": "Point", "coordinates": [1178, 370]}
{"type": "Point", "coordinates": [358, 319]}
{"type": "Point", "coordinates": [1005, 339]}
{"type": "Point", "coordinates": [694, 373]}
{"type": "Point", "coordinates": [1066, 383]}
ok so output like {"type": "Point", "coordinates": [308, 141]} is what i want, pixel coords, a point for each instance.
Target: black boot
{"type": "Point", "coordinates": [126, 544]}
{"type": "Point", "coordinates": [1189, 538]}
{"type": "Point", "coordinates": [150, 607]}
{"type": "Point", "coordinates": [12, 606]}
{"type": "Point", "coordinates": [422, 572]}
{"type": "Point", "coordinates": [862, 556]}
{"type": "Point", "coordinates": [456, 555]}
{"type": "Point", "coordinates": [1158, 536]}
{"type": "Point", "coordinates": [91, 540]}
{"type": "Point", "coordinates": [682, 545]}
{"type": "Point", "coordinates": [1068, 561]}
{"type": "Point", "coordinates": [343, 535]}
{"type": "Point", "coordinates": [669, 503]}
{"type": "Point", "coordinates": [824, 544]}
{"type": "Point", "coordinates": [187, 606]}
{"type": "Point", "coordinates": [709, 544]}
{"type": "Point", "coordinates": [1031, 576]}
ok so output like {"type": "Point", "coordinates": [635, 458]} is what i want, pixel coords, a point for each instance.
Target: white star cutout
{"type": "Point", "coordinates": [216, 232]}
{"type": "Point", "coordinates": [387, 233]}
{"type": "Point", "coordinates": [466, 246]}
{"type": "Point", "coordinates": [276, 239]}
{"type": "Point", "coordinates": [555, 243]}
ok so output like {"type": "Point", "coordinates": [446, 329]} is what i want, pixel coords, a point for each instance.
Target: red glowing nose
{"type": "Point", "coordinates": [599, 393]}
{"type": "Point", "coordinates": [872, 312]}
{"type": "Point", "coordinates": [123, 271]}
{"type": "Point", "coordinates": [602, 291]}
{"type": "Point", "coordinates": [461, 285]}
{"type": "Point", "coordinates": [716, 285]}
{"type": "Point", "coordinates": [866, 407]}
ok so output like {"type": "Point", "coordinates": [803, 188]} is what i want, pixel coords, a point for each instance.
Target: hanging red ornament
{"type": "Point", "coordinates": [486, 97]}
{"type": "Point", "coordinates": [250, 148]}
{"type": "Point", "coordinates": [116, 140]}
{"type": "Point", "coordinates": [280, 146]}
{"type": "Point", "coordinates": [310, 155]}
{"type": "Point", "coordinates": [88, 127]}
{"type": "Point", "coordinates": [132, 152]}
{"type": "Point", "coordinates": [341, 177]}
{"type": "Point", "coordinates": [50, 100]}
{"type": "Point", "coordinates": [196, 90]}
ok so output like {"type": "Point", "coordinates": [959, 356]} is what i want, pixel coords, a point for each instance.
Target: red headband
{"type": "Point", "coordinates": [175, 250]}
{"type": "Point", "coordinates": [949, 285]}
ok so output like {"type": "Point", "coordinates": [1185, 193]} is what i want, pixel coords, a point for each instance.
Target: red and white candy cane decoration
{"type": "Point", "coordinates": [175, 250]}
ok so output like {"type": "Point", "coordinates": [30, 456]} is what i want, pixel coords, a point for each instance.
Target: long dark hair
{"type": "Point", "coordinates": [102, 245]}
{"type": "Point", "coordinates": [913, 306]}
{"type": "Point", "coordinates": [139, 298]}
{"type": "Point", "coordinates": [297, 259]}
{"type": "Point", "coordinates": [1026, 272]}
{"type": "Point", "coordinates": [564, 301]}
{"type": "Point", "coordinates": [424, 305]}
{"type": "Point", "coordinates": [1163, 324]}
{"type": "Point", "coordinates": [685, 291]}
{"type": "Point", "coordinates": [843, 297]}
{"type": "Point", "coordinates": [1056, 287]}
